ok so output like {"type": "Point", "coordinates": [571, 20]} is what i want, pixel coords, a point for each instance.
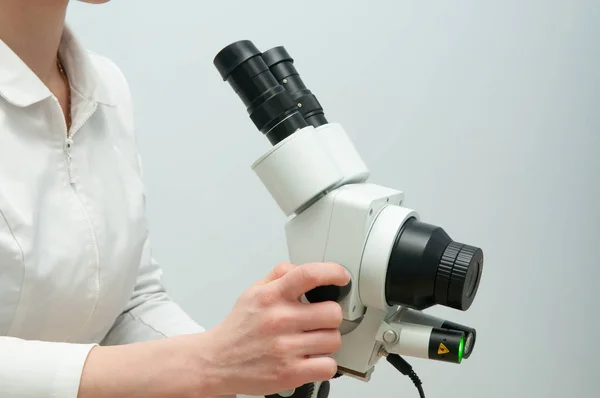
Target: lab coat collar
{"type": "Point", "coordinates": [20, 86]}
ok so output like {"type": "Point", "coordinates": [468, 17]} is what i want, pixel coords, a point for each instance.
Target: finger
{"type": "Point", "coordinates": [316, 369]}
{"type": "Point", "coordinates": [321, 342]}
{"type": "Point", "coordinates": [279, 271]}
{"type": "Point", "coordinates": [318, 316]}
{"type": "Point", "coordinates": [307, 277]}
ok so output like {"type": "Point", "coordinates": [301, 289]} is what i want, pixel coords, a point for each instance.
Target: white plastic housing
{"type": "Point", "coordinates": [297, 170]}
{"type": "Point", "coordinates": [356, 226]}
{"type": "Point", "coordinates": [343, 153]}
{"type": "Point", "coordinates": [307, 164]}
{"type": "Point", "coordinates": [335, 229]}
{"type": "Point", "coordinates": [378, 248]}
{"type": "Point", "coordinates": [413, 340]}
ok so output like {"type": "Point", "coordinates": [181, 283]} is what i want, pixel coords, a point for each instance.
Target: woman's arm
{"type": "Point", "coordinates": [150, 313]}
{"type": "Point", "coordinates": [270, 342]}
{"type": "Point", "coordinates": [175, 367]}
{"type": "Point", "coordinates": [142, 355]}
{"type": "Point", "coordinates": [159, 369]}
{"type": "Point", "coordinates": [40, 369]}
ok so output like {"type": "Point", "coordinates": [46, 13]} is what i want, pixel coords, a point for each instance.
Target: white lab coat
{"type": "Point", "coordinates": [76, 267]}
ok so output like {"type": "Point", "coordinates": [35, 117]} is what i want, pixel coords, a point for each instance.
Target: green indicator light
{"type": "Point", "coordinates": [461, 349]}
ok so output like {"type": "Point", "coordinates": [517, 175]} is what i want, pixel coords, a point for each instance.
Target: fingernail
{"type": "Point", "coordinates": [348, 274]}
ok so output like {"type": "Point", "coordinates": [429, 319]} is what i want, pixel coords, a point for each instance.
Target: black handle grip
{"type": "Point", "coordinates": [328, 293]}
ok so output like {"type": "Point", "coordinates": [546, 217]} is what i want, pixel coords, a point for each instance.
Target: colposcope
{"type": "Point", "coordinates": [399, 264]}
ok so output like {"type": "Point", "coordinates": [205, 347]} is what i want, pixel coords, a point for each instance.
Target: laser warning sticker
{"type": "Point", "coordinates": [443, 349]}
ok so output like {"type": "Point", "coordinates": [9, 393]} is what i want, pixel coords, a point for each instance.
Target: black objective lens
{"type": "Point", "coordinates": [427, 267]}
{"type": "Point", "coordinates": [272, 109]}
{"type": "Point", "coordinates": [282, 66]}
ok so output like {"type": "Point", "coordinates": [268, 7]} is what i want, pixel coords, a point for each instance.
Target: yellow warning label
{"type": "Point", "coordinates": [443, 349]}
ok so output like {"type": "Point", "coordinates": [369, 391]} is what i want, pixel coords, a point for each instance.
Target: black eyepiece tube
{"type": "Point", "coordinates": [282, 66]}
{"type": "Point", "coordinates": [271, 108]}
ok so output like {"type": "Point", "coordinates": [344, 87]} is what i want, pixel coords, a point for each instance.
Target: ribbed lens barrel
{"type": "Point", "coordinates": [271, 108]}
{"type": "Point", "coordinates": [427, 267]}
{"type": "Point", "coordinates": [282, 66]}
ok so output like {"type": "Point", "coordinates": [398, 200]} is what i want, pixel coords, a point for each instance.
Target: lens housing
{"type": "Point", "coordinates": [446, 345]}
{"type": "Point", "coordinates": [271, 108]}
{"type": "Point", "coordinates": [426, 267]}
{"type": "Point", "coordinates": [282, 66]}
{"type": "Point", "coordinates": [470, 336]}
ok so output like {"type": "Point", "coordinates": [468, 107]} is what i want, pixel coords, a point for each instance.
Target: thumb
{"type": "Point", "coordinates": [279, 271]}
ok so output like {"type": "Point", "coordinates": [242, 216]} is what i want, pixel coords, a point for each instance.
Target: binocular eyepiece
{"type": "Point", "coordinates": [268, 83]}
{"type": "Point", "coordinates": [272, 109]}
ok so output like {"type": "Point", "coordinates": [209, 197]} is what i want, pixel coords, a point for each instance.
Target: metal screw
{"type": "Point", "coordinates": [390, 336]}
{"type": "Point", "coordinates": [382, 352]}
{"type": "Point", "coordinates": [285, 81]}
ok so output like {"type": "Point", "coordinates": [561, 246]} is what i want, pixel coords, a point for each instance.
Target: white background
{"type": "Point", "coordinates": [486, 114]}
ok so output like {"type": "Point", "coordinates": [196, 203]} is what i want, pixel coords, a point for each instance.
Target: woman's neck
{"type": "Point", "coordinates": [33, 29]}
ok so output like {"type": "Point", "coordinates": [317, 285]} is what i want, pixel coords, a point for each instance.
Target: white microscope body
{"type": "Point", "coordinates": [398, 265]}
{"type": "Point", "coordinates": [317, 178]}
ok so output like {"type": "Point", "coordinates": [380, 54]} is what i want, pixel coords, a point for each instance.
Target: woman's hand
{"type": "Point", "coordinates": [271, 341]}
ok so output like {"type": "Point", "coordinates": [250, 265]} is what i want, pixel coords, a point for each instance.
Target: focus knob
{"type": "Point", "coordinates": [458, 275]}
{"type": "Point", "coordinates": [328, 293]}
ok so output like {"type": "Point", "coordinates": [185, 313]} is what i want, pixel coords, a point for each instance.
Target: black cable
{"type": "Point", "coordinates": [404, 367]}
{"type": "Point", "coordinates": [421, 392]}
